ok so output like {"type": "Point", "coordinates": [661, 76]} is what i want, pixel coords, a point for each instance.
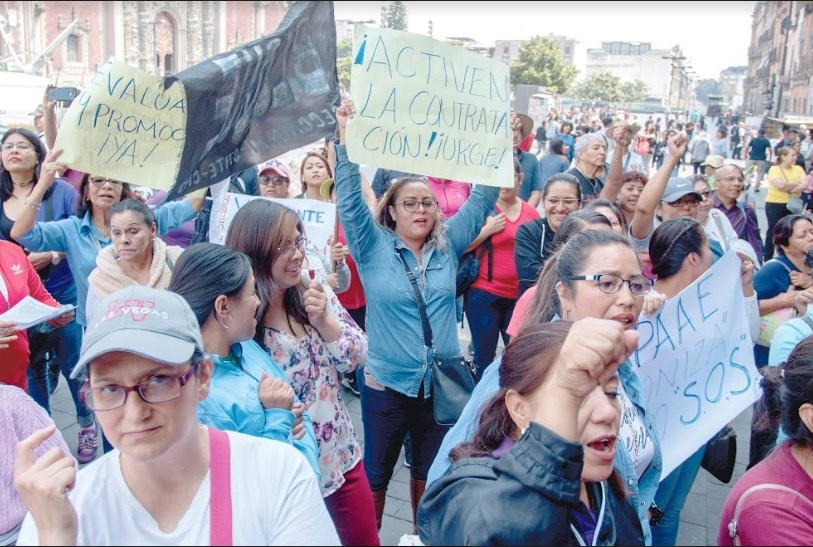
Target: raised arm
{"type": "Point", "coordinates": [49, 170]}
{"type": "Point", "coordinates": [652, 193]}
{"type": "Point", "coordinates": [622, 135]}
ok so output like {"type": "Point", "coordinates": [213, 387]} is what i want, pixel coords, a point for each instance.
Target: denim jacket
{"type": "Point", "coordinates": [233, 403]}
{"type": "Point", "coordinates": [641, 492]}
{"type": "Point", "coordinates": [397, 357]}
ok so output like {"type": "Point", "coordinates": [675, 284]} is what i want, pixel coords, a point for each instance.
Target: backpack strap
{"type": "Point", "coordinates": [719, 224]}
{"type": "Point", "coordinates": [808, 321]}
{"type": "Point", "coordinates": [733, 530]}
{"type": "Point", "coordinates": [220, 515]}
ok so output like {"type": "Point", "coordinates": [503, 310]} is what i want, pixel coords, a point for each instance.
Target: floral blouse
{"type": "Point", "coordinates": [312, 366]}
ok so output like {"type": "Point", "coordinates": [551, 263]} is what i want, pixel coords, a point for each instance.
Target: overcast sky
{"type": "Point", "coordinates": [713, 35]}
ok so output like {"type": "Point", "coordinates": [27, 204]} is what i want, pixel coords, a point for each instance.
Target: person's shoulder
{"type": "Point", "coordinates": [258, 451]}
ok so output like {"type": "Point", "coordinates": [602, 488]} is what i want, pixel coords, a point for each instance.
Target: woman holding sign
{"type": "Point", "coordinates": [408, 233]}
{"type": "Point", "coordinates": [680, 254]}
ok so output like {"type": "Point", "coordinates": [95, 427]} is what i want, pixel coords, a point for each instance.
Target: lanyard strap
{"type": "Point", "coordinates": [220, 530]}
{"type": "Point", "coordinates": [427, 330]}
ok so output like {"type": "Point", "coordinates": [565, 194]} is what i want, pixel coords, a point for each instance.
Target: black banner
{"type": "Point", "coordinates": [260, 100]}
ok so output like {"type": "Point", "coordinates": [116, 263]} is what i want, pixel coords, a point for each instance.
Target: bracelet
{"type": "Point", "coordinates": [657, 514]}
{"type": "Point", "coordinates": [32, 204]}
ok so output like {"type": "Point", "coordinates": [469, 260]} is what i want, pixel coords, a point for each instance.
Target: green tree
{"type": "Point", "coordinates": [344, 54]}
{"type": "Point", "coordinates": [395, 16]}
{"type": "Point", "coordinates": [540, 63]}
{"type": "Point", "coordinates": [632, 92]}
{"type": "Point", "coordinates": [601, 88]}
{"type": "Point", "coordinates": [705, 88]}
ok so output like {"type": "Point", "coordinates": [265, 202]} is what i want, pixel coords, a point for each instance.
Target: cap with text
{"type": "Point", "coordinates": [155, 324]}
{"type": "Point", "coordinates": [277, 167]}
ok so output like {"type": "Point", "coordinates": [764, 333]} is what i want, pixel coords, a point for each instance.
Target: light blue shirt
{"type": "Point", "coordinates": [641, 490]}
{"type": "Point", "coordinates": [397, 357]}
{"type": "Point", "coordinates": [81, 242]}
{"type": "Point", "coordinates": [787, 336]}
{"type": "Point", "coordinates": [233, 403]}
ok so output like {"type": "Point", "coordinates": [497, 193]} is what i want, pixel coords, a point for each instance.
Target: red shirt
{"type": "Point", "coordinates": [353, 297]}
{"type": "Point", "coordinates": [504, 278]}
{"type": "Point", "coordinates": [771, 516]}
{"type": "Point", "coordinates": [21, 280]}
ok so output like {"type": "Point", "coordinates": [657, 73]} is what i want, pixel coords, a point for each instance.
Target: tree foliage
{"type": "Point", "coordinates": [344, 53]}
{"type": "Point", "coordinates": [635, 91]}
{"type": "Point", "coordinates": [601, 88]}
{"type": "Point", "coordinates": [540, 63]}
{"type": "Point", "coordinates": [705, 88]}
{"type": "Point", "coordinates": [395, 16]}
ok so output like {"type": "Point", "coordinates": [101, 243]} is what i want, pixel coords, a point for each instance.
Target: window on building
{"type": "Point", "coordinates": [73, 46]}
{"type": "Point", "coordinates": [169, 66]}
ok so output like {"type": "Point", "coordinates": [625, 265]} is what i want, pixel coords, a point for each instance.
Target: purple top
{"type": "Point", "coordinates": [182, 236]}
{"type": "Point", "coordinates": [744, 221]}
{"type": "Point", "coordinates": [586, 520]}
{"type": "Point", "coordinates": [506, 445]}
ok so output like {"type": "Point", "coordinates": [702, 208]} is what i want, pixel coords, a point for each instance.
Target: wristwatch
{"type": "Point", "coordinates": [55, 258]}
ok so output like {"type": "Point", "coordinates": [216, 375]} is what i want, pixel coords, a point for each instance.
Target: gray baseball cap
{"type": "Point", "coordinates": [677, 187]}
{"type": "Point", "coordinates": [155, 324]}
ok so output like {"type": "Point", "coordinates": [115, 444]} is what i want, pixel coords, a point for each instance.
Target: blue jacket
{"type": "Point", "coordinates": [526, 497]}
{"type": "Point", "coordinates": [233, 404]}
{"type": "Point", "coordinates": [397, 357]}
{"type": "Point", "coordinates": [81, 241]}
{"type": "Point", "coordinates": [641, 492]}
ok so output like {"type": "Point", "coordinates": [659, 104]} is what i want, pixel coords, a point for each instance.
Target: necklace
{"type": "Point", "coordinates": [594, 182]}
{"type": "Point", "coordinates": [23, 185]}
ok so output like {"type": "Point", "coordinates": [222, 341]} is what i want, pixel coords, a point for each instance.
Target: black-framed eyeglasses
{"type": "Point", "coordinates": [683, 204]}
{"type": "Point", "coordinates": [289, 249]}
{"type": "Point", "coordinates": [98, 182]}
{"type": "Point", "coordinates": [265, 180]}
{"type": "Point", "coordinates": [706, 194]}
{"type": "Point", "coordinates": [18, 145]}
{"type": "Point", "coordinates": [156, 390]}
{"type": "Point", "coordinates": [611, 283]}
{"type": "Point", "coordinates": [411, 205]}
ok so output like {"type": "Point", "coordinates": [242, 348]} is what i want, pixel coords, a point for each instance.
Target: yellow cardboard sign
{"type": "Point", "coordinates": [427, 107]}
{"type": "Point", "coordinates": [126, 126]}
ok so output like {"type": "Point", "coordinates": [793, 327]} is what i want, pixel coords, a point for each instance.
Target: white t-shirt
{"type": "Point", "coordinates": [719, 229]}
{"type": "Point", "coordinates": [275, 501]}
{"type": "Point", "coordinates": [634, 434]}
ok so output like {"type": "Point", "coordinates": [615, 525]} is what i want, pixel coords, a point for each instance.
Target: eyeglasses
{"type": "Point", "coordinates": [706, 194]}
{"type": "Point", "coordinates": [98, 182]}
{"type": "Point", "coordinates": [18, 145]}
{"type": "Point", "coordinates": [683, 204]}
{"type": "Point", "coordinates": [298, 245]}
{"type": "Point", "coordinates": [611, 283]}
{"type": "Point", "coordinates": [567, 202]}
{"type": "Point", "coordinates": [276, 181]}
{"type": "Point", "coordinates": [156, 390]}
{"type": "Point", "coordinates": [411, 205]}
{"type": "Point", "coordinates": [732, 178]}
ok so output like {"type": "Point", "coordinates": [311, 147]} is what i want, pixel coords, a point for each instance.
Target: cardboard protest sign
{"type": "Point", "coordinates": [424, 106]}
{"type": "Point", "coordinates": [695, 359]}
{"type": "Point", "coordinates": [319, 217]}
{"type": "Point", "coordinates": [126, 125]}
{"type": "Point", "coordinates": [214, 119]}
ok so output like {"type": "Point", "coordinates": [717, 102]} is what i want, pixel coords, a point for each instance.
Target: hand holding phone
{"type": "Point", "coordinates": [64, 95]}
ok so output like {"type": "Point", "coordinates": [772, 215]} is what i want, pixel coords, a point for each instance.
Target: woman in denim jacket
{"type": "Point", "coordinates": [396, 397]}
{"type": "Point", "coordinates": [560, 295]}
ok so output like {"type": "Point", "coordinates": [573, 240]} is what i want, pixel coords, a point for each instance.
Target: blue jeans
{"type": "Point", "coordinates": [387, 416]}
{"type": "Point", "coordinates": [489, 316]}
{"type": "Point", "coordinates": [63, 346]}
{"type": "Point", "coordinates": [671, 497]}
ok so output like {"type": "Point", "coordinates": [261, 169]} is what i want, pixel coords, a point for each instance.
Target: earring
{"type": "Point", "coordinates": [522, 432]}
{"type": "Point", "coordinates": [224, 325]}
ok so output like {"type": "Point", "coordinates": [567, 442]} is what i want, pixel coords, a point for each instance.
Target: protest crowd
{"type": "Point", "coordinates": [624, 306]}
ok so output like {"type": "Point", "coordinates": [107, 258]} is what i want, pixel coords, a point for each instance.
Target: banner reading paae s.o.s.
{"type": "Point", "coordinates": [695, 359]}
{"type": "Point", "coordinates": [214, 119]}
{"type": "Point", "coordinates": [424, 106]}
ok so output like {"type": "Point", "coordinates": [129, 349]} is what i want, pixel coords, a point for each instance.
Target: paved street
{"type": "Point", "coordinates": [699, 519]}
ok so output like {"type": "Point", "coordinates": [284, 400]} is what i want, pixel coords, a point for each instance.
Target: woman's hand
{"type": "Point", "coordinates": [63, 319]}
{"type": "Point", "coordinates": [298, 428]}
{"type": "Point", "coordinates": [50, 168]}
{"type": "Point", "coordinates": [495, 224]}
{"type": "Point", "coordinates": [747, 274]}
{"type": "Point", "coordinates": [332, 280]}
{"type": "Point", "coordinates": [315, 301]}
{"type": "Point", "coordinates": [801, 280]}
{"type": "Point", "coordinates": [275, 393]}
{"type": "Point", "coordinates": [345, 112]}
{"type": "Point", "coordinates": [8, 333]}
{"type": "Point", "coordinates": [40, 261]}
{"type": "Point", "coordinates": [590, 355]}
{"type": "Point", "coordinates": [338, 252]}
{"type": "Point", "coordinates": [652, 303]}
{"type": "Point", "coordinates": [43, 485]}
